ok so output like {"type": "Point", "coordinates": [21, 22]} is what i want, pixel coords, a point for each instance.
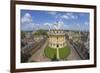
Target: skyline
{"type": "Point", "coordinates": [36, 19]}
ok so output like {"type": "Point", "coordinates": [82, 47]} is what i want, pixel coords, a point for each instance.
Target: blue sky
{"type": "Point", "coordinates": [35, 19]}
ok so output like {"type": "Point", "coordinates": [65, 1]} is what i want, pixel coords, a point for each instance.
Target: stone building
{"type": "Point", "coordinates": [57, 38]}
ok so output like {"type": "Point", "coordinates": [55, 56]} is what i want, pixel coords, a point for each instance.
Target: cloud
{"type": "Point", "coordinates": [26, 18]}
{"type": "Point", "coordinates": [52, 13]}
{"type": "Point", "coordinates": [48, 25]}
{"type": "Point", "coordinates": [61, 25]}
{"type": "Point", "coordinates": [65, 16]}
{"type": "Point", "coordinates": [27, 22]}
{"type": "Point", "coordinates": [51, 26]}
{"type": "Point", "coordinates": [86, 23]}
{"type": "Point", "coordinates": [69, 16]}
{"type": "Point", "coordinates": [58, 25]}
{"type": "Point", "coordinates": [76, 26]}
{"type": "Point", "coordinates": [83, 26]}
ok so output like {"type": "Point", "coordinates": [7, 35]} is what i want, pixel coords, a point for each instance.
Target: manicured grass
{"type": "Point", "coordinates": [49, 52]}
{"type": "Point", "coordinates": [64, 52]}
{"type": "Point", "coordinates": [52, 52]}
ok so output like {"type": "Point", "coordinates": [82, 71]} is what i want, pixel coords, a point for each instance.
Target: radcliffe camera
{"type": "Point", "coordinates": [54, 36]}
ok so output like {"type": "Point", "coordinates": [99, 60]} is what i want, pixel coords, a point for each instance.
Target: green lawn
{"type": "Point", "coordinates": [64, 52]}
{"type": "Point", "coordinates": [51, 52]}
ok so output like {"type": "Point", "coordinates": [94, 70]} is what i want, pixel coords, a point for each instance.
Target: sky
{"type": "Point", "coordinates": [35, 19]}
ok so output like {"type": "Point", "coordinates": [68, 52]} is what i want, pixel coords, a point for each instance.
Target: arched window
{"type": "Point", "coordinates": [57, 45]}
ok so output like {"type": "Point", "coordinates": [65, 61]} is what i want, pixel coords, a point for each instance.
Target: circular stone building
{"type": "Point", "coordinates": [56, 38]}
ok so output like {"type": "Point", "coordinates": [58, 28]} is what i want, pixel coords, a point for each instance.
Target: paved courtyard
{"type": "Point", "coordinates": [73, 55]}
{"type": "Point", "coordinates": [39, 55]}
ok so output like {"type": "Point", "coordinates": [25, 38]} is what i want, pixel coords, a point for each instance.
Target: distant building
{"type": "Point", "coordinates": [56, 38]}
{"type": "Point", "coordinates": [28, 38]}
{"type": "Point", "coordinates": [37, 38]}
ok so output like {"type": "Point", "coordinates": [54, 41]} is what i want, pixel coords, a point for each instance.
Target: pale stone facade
{"type": "Point", "coordinates": [56, 39]}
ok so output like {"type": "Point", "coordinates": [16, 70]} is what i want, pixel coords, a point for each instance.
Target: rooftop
{"type": "Point", "coordinates": [56, 32]}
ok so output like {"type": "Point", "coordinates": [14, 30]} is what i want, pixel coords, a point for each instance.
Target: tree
{"type": "Point", "coordinates": [22, 34]}
{"type": "Point", "coordinates": [40, 32]}
{"type": "Point", "coordinates": [24, 57]}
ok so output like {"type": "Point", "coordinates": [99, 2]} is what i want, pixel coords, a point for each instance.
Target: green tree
{"type": "Point", "coordinates": [22, 34]}
{"type": "Point", "coordinates": [40, 32]}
